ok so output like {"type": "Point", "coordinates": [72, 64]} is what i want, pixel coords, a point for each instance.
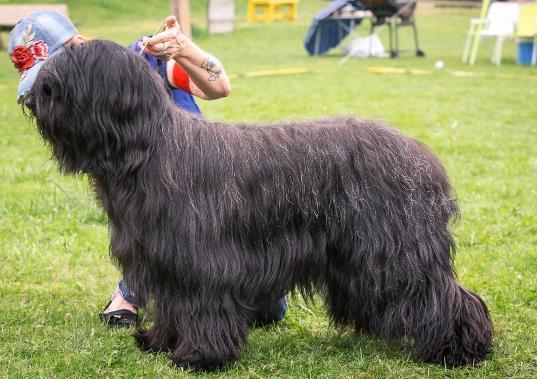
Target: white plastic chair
{"type": "Point", "coordinates": [500, 22]}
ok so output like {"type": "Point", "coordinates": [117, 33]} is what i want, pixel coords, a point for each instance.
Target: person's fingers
{"type": "Point", "coordinates": [161, 37]}
{"type": "Point", "coordinates": [153, 51]}
{"type": "Point", "coordinates": [158, 53]}
{"type": "Point", "coordinates": [159, 46]}
{"type": "Point", "coordinates": [170, 21]}
{"type": "Point", "coordinates": [147, 48]}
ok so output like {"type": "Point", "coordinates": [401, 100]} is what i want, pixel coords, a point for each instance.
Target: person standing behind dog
{"type": "Point", "coordinates": [186, 70]}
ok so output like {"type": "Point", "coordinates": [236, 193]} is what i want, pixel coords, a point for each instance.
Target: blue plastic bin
{"type": "Point", "coordinates": [525, 49]}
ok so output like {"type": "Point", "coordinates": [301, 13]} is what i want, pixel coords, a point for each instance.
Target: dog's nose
{"type": "Point", "coordinates": [29, 101]}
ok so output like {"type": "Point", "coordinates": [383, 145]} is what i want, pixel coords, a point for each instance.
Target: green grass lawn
{"type": "Point", "coordinates": [56, 275]}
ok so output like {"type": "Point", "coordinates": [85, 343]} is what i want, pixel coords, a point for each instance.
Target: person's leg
{"type": "Point", "coordinates": [122, 309]}
{"type": "Point", "coordinates": [270, 313]}
{"type": "Point", "coordinates": [126, 296]}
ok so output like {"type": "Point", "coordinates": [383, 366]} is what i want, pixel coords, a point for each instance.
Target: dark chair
{"type": "Point", "coordinates": [394, 14]}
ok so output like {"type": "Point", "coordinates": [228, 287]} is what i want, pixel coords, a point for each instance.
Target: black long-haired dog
{"type": "Point", "coordinates": [210, 220]}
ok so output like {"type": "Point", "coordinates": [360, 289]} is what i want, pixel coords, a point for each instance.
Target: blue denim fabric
{"type": "Point", "coordinates": [126, 295]}
{"type": "Point", "coordinates": [273, 313]}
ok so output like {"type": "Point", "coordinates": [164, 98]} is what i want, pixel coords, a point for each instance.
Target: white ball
{"type": "Point", "coordinates": [439, 64]}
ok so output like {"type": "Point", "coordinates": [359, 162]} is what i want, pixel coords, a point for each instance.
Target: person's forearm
{"type": "Point", "coordinates": [207, 76]}
{"type": "Point", "coordinates": [204, 70]}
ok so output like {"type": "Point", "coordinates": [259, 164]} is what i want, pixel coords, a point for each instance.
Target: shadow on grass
{"type": "Point", "coordinates": [278, 345]}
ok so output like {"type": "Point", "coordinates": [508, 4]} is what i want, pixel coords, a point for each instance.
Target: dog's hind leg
{"type": "Point", "coordinates": [343, 303]}
{"type": "Point", "coordinates": [449, 324]}
{"type": "Point", "coordinates": [411, 292]}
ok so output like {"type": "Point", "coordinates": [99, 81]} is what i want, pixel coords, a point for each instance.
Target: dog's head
{"type": "Point", "coordinates": [94, 102]}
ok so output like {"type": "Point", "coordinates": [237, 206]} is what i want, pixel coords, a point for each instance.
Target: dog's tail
{"type": "Point", "coordinates": [460, 332]}
{"type": "Point", "coordinates": [449, 324]}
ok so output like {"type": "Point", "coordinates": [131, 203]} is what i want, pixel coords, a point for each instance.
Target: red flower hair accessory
{"type": "Point", "coordinates": [24, 56]}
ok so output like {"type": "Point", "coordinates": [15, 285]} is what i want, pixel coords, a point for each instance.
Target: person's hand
{"type": "Point", "coordinates": [166, 45]}
{"type": "Point", "coordinates": [207, 78]}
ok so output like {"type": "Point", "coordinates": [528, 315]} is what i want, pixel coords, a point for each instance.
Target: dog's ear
{"type": "Point", "coordinates": [46, 94]}
{"type": "Point", "coordinates": [51, 105]}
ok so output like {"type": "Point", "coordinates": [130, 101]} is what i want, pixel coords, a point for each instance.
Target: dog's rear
{"type": "Point", "coordinates": [389, 269]}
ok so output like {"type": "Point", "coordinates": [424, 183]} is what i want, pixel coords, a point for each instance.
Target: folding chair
{"type": "Point", "coordinates": [394, 14]}
{"type": "Point", "coordinates": [500, 22]}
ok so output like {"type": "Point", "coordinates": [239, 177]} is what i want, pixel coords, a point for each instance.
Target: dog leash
{"type": "Point", "coordinates": [160, 29]}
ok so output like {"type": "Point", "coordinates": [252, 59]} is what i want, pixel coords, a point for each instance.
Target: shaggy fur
{"type": "Point", "coordinates": [209, 220]}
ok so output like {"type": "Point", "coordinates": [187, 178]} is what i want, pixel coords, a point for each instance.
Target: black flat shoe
{"type": "Point", "coordinates": [121, 318]}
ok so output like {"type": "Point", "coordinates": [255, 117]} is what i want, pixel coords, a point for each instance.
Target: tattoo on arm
{"type": "Point", "coordinates": [212, 67]}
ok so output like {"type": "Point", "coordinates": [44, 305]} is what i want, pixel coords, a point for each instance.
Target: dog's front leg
{"type": "Point", "coordinates": [201, 332]}
{"type": "Point", "coordinates": [212, 330]}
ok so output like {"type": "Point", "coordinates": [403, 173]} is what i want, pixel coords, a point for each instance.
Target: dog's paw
{"type": "Point", "coordinates": [198, 363]}
{"type": "Point", "coordinates": [193, 359]}
{"type": "Point", "coordinates": [146, 341]}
